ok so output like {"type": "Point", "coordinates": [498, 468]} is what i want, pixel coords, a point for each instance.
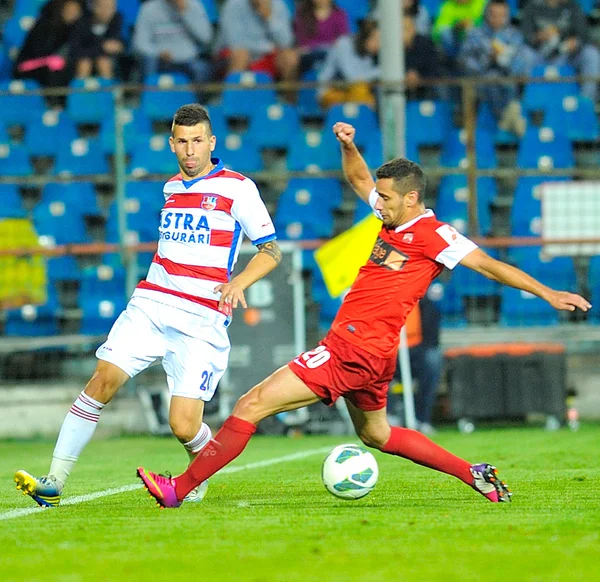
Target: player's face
{"type": "Point", "coordinates": [193, 146]}
{"type": "Point", "coordinates": [394, 208]}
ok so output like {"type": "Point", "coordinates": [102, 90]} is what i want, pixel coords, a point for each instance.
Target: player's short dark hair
{"type": "Point", "coordinates": [407, 176]}
{"type": "Point", "coordinates": [192, 114]}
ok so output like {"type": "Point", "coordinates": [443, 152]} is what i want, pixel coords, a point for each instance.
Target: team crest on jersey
{"type": "Point", "coordinates": [208, 203]}
{"type": "Point", "coordinates": [408, 237]}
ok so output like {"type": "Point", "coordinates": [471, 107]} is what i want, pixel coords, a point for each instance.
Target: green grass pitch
{"type": "Point", "coordinates": [276, 522]}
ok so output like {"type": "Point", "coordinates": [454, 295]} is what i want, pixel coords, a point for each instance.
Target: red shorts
{"type": "Point", "coordinates": [338, 368]}
{"type": "Point", "coordinates": [265, 64]}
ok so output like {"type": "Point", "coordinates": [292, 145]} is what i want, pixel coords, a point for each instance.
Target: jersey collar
{"type": "Point", "coordinates": [428, 214]}
{"type": "Point", "coordinates": [218, 167]}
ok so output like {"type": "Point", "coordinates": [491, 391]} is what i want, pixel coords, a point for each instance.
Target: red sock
{"type": "Point", "coordinates": [416, 447]}
{"type": "Point", "coordinates": [225, 446]}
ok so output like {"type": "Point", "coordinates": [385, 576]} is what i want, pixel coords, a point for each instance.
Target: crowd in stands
{"type": "Point", "coordinates": [309, 39]}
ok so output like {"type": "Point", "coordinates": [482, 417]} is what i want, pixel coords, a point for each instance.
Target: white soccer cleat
{"type": "Point", "coordinates": [197, 494]}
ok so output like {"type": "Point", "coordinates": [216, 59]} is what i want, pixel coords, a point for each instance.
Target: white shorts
{"type": "Point", "coordinates": [194, 348]}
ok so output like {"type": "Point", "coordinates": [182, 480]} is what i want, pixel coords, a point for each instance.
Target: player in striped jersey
{"type": "Point", "coordinates": [181, 311]}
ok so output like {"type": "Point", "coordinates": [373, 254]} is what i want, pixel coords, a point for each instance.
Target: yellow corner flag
{"type": "Point", "coordinates": [341, 258]}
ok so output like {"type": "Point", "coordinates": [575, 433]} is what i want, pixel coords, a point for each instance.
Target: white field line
{"type": "Point", "coordinates": [14, 513]}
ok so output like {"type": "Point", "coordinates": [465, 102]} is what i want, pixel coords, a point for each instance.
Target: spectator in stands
{"type": "Point", "coordinates": [353, 60]}
{"type": "Point", "coordinates": [317, 25]}
{"type": "Point", "coordinates": [494, 50]}
{"type": "Point", "coordinates": [45, 54]}
{"type": "Point", "coordinates": [97, 40]}
{"type": "Point", "coordinates": [257, 35]}
{"type": "Point", "coordinates": [426, 359]}
{"type": "Point", "coordinates": [455, 18]}
{"type": "Point", "coordinates": [558, 31]}
{"type": "Point", "coordinates": [173, 36]}
{"type": "Point", "coordinates": [422, 61]}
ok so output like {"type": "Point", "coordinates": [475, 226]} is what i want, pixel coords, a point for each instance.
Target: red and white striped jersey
{"type": "Point", "coordinates": [200, 235]}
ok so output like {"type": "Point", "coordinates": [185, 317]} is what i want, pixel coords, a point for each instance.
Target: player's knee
{"type": "Point", "coordinates": [184, 430]}
{"type": "Point", "coordinates": [103, 385]}
{"type": "Point", "coordinates": [373, 437]}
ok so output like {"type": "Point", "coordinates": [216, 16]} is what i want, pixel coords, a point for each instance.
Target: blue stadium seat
{"type": "Point", "coordinates": [526, 211]}
{"type": "Point", "coordinates": [129, 10]}
{"type": "Point", "coordinates": [5, 65]}
{"type": "Point", "coordinates": [362, 210]}
{"type": "Point", "coordinates": [452, 202]}
{"type": "Point", "coordinates": [427, 122]}
{"type": "Point", "coordinates": [487, 122]}
{"type": "Point", "coordinates": [308, 98]}
{"type": "Point", "coordinates": [449, 302]}
{"type": "Point", "coordinates": [557, 272]}
{"type": "Point", "coordinates": [432, 7]}
{"type": "Point", "coordinates": [136, 128]}
{"type": "Point", "coordinates": [13, 104]}
{"type": "Point", "coordinates": [81, 157]}
{"type": "Point", "coordinates": [373, 150]}
{"type": "Point", "coordinates": [100, 314]}
{"type": "Point", "coordinates": [63, 268]}
{"type": "Point", "coordinates": [543, 148]}
{"type": "Point", "coordinates": [15, 31]}
{"type": "Point", "coordinates": [218, 120]}
{"type": "Point", "coordinates": [101, 282]}
{"type": "Point", "coordinates": [14, 160]}
{"type": "Point", "coordinates": [239, 99]}
{"type": "Point", "coordinates": [305, 208]}
{"type": "Point", "coordinates": [361, 116]}
{"type": "Point", "coordinates": [328, 309]}
{"type": "Point", "coordinates": [11, 203]}
{"type": "Point", "coordinates": [519, 308]}
{"type": "Point", "coordinates": [143, 218]}
{"type": "Point", "coordinates": [55, 225]}
{"type": "Point", "coordinates": [239, 153]}
{"type": "Point", "coordinates": [470, 283]}
{"type": "Point", "coordinates": [78, 197]}
{"type": "Point", "coordinates": [357, 10]}
{"type": "Point", "coordinates": [32, 320]}
{"type": "Point", "coordinates": [275, 126]}
{"type": "Point", "coordinates": [28, 7]}
{"type": "Point", "coordinates": [314, 151]}
{"type": "Point", "coordinates": [47, 133]}
{"type": "Point", "coordinates": [587, 6]}
{"type": "Point", "coordinates": [91, 101]}
{"type": "Point", "coordinates": [153, 156]}
{"type": "Point", "coordinates": [212, 10]}
{"type": "Point", "coordinates": [160, 99]}
{"type": "Point", "coordinates": [535, 95]}
{"type": "Point", "coordinates": [576, 115]}
{"type": "Point", "coordinates": [454, 152]}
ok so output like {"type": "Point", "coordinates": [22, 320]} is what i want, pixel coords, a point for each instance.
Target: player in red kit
{"type": "Point", "coordinates": [357, 358]}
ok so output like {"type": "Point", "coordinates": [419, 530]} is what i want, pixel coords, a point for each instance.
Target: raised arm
{"type": "Point", "coordinates": [355, 168]}
{"type": "Point", "coordinates": [504, 273]}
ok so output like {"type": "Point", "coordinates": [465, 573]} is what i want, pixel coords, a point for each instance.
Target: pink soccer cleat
{"type": "Point", "coordinates": [487, 482]}
{"type": "Point", "coordinates": [161, 487]}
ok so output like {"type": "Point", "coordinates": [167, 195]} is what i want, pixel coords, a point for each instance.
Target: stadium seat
{"type": "Point", "coordinates": [449, 302]}
{"type": "Point", "coordinates": [373, 150]}
{"type": "Point", "coordinates": [104, 281]}
{"type": "Point", "coordinates": [587, 6]}
{"type": "Point", "coordinates": [576, 115]}
{"type": "Point", "coordinates": [136, 128]}
{"type": "Point", "coordinates": [218, 120]}
{"type": "Point", "coordinates": [361, 210]}
{"type": "Point", "coordinates": [79, 197]}
{"type": "Point", "coordinates": [313, 192]}
{"type": "Point", "coordinates": [28, 7]}
{"type": "Point", "coordinates": [15, 31]}
{"type": "Point", "coordinates": [275, 126]}
{"type": "Point", "coordinates": [467, 282]}
{"type": "Point", "coordinates": [152, 156]}
{"type": "Point", "coordinates": [519, 308]}
{"type": "Point", "coordinates": [240, 153]}
{"type": "Point", "coordinates": [240, 99]}
{"type": "Point", "coordinates": [308, 98]}
{"type": "Point", "coordinates": [454, 152]}
{"type": "Point", "coordinates": [47, 133]}
{"type": "Point", "coordinates": [100, 314]}
{"type": "Point", "coordinates": [161, 99]}
{"type": "Point", "coordinates": [55, 225]}
{"type": "Point", "coordinates": [543, 148]}
{"type": "Point", "coordinates": [212, 10]}
{"type": "Point", "coordinates": [63, 268]}
{"type": "Point", "coordinates": [32, 320]}
{"type": "Point", "coordinates": [14, 160]}
{"type": "Point", "coordinates": [11, 203]}
{"type": "Point", "coordinates": [452, 202]}
{"type": "Point", "coordinates": [432, 7]}
{"type": "Point", "coordinates": [81, 157]}
{"type": "Point", "coordinates": [90, 101]}
{"type": "Point", "coordinates": [487, 122]}
{"type": "Point", "coordinates": [357, 10]}
{"type": "Point", "coordinates": [143, 217]}
{"type": "Point", "coordinates": [427, 122]}
{"type": "Point", "coordinates": [556, 272]}
{"type": "Point", "coordinates": [13, 104]}
{"type": "Point", "coordinates": [314, 151]}
{"type": "Point", "coordinates": [361, 116]}
{"type": "Point", "coordinates": [535, 95]}
{"type": "Point", "coordinates": [5, 65]}
{"type": "Point", "coordinates": [129, 11]}
{"type": "Point", "coordinates": [526, 211]}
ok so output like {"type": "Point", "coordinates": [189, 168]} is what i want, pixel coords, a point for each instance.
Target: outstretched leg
{"type": "Point", "coordinates": [373, 429]}
{"type": "Point", "coordinates": [280, 392]}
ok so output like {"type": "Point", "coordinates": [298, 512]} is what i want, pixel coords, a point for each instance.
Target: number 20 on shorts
{"type": "Point", "coordinates": [315, 358]}
{"type": "Point", "coordinates": [206, 380]}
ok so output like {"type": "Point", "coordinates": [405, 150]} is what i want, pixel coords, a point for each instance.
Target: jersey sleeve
{"type": "Point", "coordinates": [372, 201]}
{"type": "Point", "coordinates": [447, 246]}
{"type": "Point", "coordinates": [252, 214]}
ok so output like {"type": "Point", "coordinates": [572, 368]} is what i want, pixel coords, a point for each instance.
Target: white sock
{"type": "Point", "coordinates": [198, 442]}
{"type": "Point", "coordinates": [76, 432]}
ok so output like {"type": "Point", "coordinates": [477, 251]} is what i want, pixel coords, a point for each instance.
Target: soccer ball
{"type": "Point", "coordinates": [350, 472]}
